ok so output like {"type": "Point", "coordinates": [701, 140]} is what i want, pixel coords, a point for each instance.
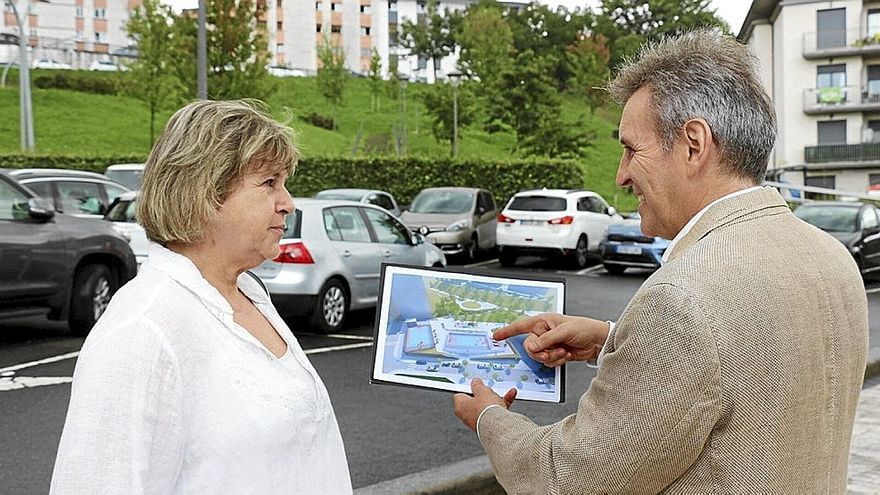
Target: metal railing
{"type": "Point", "coordinates": [841, 99]}
{"type": "Point", "coordinates": [842, 153]}
{"type": "Point", "coordinates": [849, 41]}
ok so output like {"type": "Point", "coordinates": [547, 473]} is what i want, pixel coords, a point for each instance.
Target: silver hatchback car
{"type": "Point", "coordinates": [330, 259]}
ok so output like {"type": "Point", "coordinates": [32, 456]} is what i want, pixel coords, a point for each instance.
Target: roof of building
{"type": "Point", "coordinates": [760, 10]}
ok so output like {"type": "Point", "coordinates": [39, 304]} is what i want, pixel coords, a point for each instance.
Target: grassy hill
{"type": "Point", "coordinates": [69, 122]}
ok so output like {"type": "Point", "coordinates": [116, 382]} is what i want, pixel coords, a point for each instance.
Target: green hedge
{"type": "Point", "coordinates": [402, 177]}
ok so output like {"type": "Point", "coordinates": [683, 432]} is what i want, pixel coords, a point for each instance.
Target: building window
{"type": "Point", "coordinates": [831, 132]}
{"type": "Point", "coordinates": [317, 28]}
{"type": "Point", "coordinates": [33, 33]}
{"type": "Point", "coordinates": [365, 9]}
{"type": "Point", "coordinates": [100, 13]}
{"type": "Point", "coordinates": [392, 6]}
{"type": "Point", "coordinates": [279, 25]}
{"type": "Point", "coordinates": [874, 183]}
{"type": "Point", "coordinates": [873, 22]}
{"type": "Point", "coordinates": [423, 63]}
{"type": "Point", "coordinates": [100, 37]}
{"type": "Point", "coordinates": [279, 48]}
{"type": "Point", "coordinates": [365, 30]}
{"type": "Point", "coordinates": [420, 7]}
{"type": "Point", "coordinates": [830, 28]}
{"type": "Point", "coordinates": [79, 11]}
{"type": "Point", "coordinates": [826, 181]}
{"type": "Point", "coordinates": [335, 6]}
{"type": "Point", "coordinates": [831, 83]}
{"type": "Point", "coordinates": [278, 3]}
{"type": "Point", "coordinates": [335, 29]}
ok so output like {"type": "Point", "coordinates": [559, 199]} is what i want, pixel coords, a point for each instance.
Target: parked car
{"type": "Point", "coordinates": [330, 260]}
{"type": "Point", "coordinates": [371, 196]}
{"type": "Point", "coordinates": [65, 267]}
{"type": "Point", "coordinates": [128, 174]}
{"type": "Point", "coordinates": [282, 71]}
{"type": "Point", "coordinates": [459, 220]}
{"type": "Point", "coordinates": [51, 63]}
{"type": "Point", "coordinates": [121, 215]}
{"type": "Point", "coordinates": [855, 224]}
{"type": "Point", "coordinates": [103, 66]}
{"type": "Point", "coordinates": [73, 192]}
{"type": "Point", "coordinates": [554, 222]}
{"type": "Point", "coordinates": [626, 246]}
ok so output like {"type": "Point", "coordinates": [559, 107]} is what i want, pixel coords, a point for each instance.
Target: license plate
{"type": "Point", "coordinates": [531, 222]}
{"type": "Point", "coordinates": [629, 250]}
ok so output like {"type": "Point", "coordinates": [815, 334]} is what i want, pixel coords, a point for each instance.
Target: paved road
{"type": "Point", "coordinates": [388, 431]}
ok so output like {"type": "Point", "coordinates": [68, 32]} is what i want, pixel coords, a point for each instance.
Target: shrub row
{"type": "Point", "coordinates": [402, 177]}
{"type": "Point", "coordinates": [106, 84]}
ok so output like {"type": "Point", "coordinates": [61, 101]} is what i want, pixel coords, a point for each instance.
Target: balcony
{"type": "Point", "coordinates": [841, 99]}
{"type": "Point", "coordinates": [831, 153]}
{"type": "Point", "coordinates": [839, 43]}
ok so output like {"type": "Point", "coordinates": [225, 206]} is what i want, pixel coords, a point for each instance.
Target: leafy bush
{"type": "Point", "coordinates": [107, 84]}
{"type": "Point", "coordinates": [403, 177]}
{"type": "Point", "coordinates": [320, 121]}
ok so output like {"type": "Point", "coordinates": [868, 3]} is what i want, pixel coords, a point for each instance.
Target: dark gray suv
{"type": "Point", "coordinates": [55, 264]}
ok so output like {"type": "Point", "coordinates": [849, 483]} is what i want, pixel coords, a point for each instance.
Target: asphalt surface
{"type": "Point", "coordinates": [388, 431]}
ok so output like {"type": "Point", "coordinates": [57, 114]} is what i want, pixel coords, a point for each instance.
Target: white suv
{"type": "Point", "coordinates": [550, 222]}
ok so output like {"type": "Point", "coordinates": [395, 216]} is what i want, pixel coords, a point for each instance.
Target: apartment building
{"type": "Point", "coordinates": [820, 63]}
{"type": "Point", "coordinates": [73, 32]}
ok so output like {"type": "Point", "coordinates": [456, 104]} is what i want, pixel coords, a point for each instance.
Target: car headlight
{"type": "Point", "coordinates": [459, 225]}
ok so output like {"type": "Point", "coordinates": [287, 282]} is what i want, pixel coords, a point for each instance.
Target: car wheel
{"type": "Point", "coordinates": [331, 308]}
{"type": "Point", "coordinates": [580, 256]}
{"type": "Point", "coordinates": [614, 269]}
{"type": "Point", "coordinates": [506, 258]}
{"type": "Point", "coordinates": [93, 286]}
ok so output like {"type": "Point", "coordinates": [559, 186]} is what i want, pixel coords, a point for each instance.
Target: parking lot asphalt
{"type": "Point", "coordinates": [398, 440]}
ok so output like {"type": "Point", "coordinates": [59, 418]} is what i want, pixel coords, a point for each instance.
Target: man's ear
{"type": "Point", "coordinates": [700, 144]}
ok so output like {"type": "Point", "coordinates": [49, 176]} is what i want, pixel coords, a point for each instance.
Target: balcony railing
{"type": "Point", "coordinates": [842, 99]}
{"type": "Point", "coordinates": [836, 43]}
{"type": "Point", "coordinates": [829, 153]}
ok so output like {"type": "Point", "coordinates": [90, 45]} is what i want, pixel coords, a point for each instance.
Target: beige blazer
{"type": "Point", "coordinates": [735, 368]}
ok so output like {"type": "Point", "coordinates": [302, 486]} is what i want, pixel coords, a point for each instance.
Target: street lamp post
{"type": "Point", "coordinates": [455, 77]}
{"type": "Point", "coordinates": [202, 55]}
{"type": "Point", "coordinates": [26, 114]}
{"type": "Point", "coordinates": [404, 79]}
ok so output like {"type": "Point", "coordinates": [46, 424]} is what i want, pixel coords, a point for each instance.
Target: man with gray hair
{"type": "Point", "coordinates": [736, 367]}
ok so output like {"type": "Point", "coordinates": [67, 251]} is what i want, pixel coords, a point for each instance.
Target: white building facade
{"type": "Point", "coordinates": [75, 32]}
{"type": "Point", "coordinates": [820, 63]}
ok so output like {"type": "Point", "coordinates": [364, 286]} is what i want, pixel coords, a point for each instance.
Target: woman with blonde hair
{"type": "Point", "coordinates": [191, 382]}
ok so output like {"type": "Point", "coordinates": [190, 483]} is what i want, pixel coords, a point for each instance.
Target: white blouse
{"type": "Point", "coordinates": [170, 395]}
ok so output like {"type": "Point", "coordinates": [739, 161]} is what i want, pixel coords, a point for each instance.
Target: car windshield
{"type": "Point", "coordinates": [122, 211]}
{"type": "Point", "coordinates": [442, 202]}
{"type": "Point", "coordinates": [128, 178]}
{"type": "Point", "coordinates": [537, 203]}
{"type": "Point", "coordinates": [293, 225]}
{"type": "Point", "coordinates": [830, 218]}
{"type": "Point", "coordinates": [343, 195]}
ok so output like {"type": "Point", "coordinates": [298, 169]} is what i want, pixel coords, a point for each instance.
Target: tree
{"type": "Point", "coordinates": [588, 60]}
{"type": "Point", "coordinates": [432, 35]}
{"type": "Point", "coordinates": [438, 101]}
{"type": "Point", "coordinates": [375, 77]}
{"type": "Point", "coordinates": [151, 77]}
{"type": "Point", "coordinates": [486, 45]}
{"type": "Point", "coordinates": [237, 49]}
{"type": "Point", "coordinates": [332, 75]}
{"type": "Point", "coordinates": [629, 23]}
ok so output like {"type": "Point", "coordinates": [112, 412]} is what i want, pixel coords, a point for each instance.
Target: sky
{"type": "Point", "coordinates": [732, 11]}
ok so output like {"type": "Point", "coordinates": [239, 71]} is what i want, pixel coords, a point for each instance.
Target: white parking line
{"type": "Point", "coordinates": [337, 336]}
{"type": "Point", "coordinates": [872, 291]}
{"type": "Point", "coordinates": [482, 263]}
{"type": "Point", "coordinates": [62, 357]}
{"type": "Point", "coordinates": [592, 269]}
{"type": "Point", "coordinates": [322, 350]}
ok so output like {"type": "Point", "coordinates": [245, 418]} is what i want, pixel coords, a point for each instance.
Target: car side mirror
{"type": "Point", "coordinates": [612, 211]}
{"type": "Point", "coordinates": [417, 239]}
{"type": "Point", "coordinates": [872, 230]}
{"type": "Point", "coordinates": [39, 210]}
